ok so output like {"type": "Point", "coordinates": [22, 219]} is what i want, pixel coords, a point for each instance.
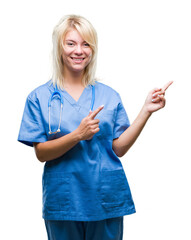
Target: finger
{"type": "Point", "coordinates": [158, 99]}
{"type": "Point", "coordinates": [159, 93]}
{"type": "Point", "coordinates": [94, 113]}
{"type": "Point", "coordinates": [95, 126]}
{"type": "Point", "coordinates": [94, 121]}
{"type": "Point", "coordinates": [157, 89]}
{"type": "Point", "coordinates": [166, 86]}
{"type": "Point", "coordinates": [90, 112]}
{"type": "Point", "coordinates": [94, 132]}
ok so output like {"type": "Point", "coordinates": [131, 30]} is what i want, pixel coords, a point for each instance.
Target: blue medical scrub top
{"type": "Point", "coordinates": [88, 182]}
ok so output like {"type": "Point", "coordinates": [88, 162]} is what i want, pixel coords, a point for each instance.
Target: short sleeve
{"type": "Point", "coordinates": [121, 120]}
{"type": "Point", "coordinates": [32, 128]}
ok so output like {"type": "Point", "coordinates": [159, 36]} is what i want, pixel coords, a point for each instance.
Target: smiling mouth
{"type": "Point", "coordinates": [77, 59]}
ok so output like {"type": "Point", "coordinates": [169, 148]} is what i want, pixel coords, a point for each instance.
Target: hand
{"type": "Point", "coordinates": [89, 126]}
{"type": "Point", "coordinates": [155, 99]}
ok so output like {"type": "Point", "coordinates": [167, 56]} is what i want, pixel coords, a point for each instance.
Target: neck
{"type": "Point", "coordinates": [72, 78]}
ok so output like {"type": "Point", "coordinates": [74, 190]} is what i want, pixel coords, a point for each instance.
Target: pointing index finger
{"type": "Point", "coordinates": [94, 113]}
{"type": "Point", "coordinates": [166, 86]}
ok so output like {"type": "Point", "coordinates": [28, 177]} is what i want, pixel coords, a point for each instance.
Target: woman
{"type": "Point", "coordinates": [80, 128]}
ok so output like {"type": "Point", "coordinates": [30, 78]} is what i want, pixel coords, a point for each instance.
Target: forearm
{"type": "Point", "coordinates": [53, 149]}
{"type": "Point", "coordinates": [122, 144]}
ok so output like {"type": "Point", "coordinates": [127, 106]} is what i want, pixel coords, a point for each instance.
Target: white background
{"type": "Point", "coordinates": [142, 45]}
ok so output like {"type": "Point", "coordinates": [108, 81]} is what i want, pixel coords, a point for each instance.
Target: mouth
{"type": "Point", "coordinates": [77, 60]}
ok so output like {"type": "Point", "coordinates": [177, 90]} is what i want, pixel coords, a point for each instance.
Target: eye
{"type": "Point", "coordinates": [86, 44]}
{"type": "Point", "coordinates": [69, 43]}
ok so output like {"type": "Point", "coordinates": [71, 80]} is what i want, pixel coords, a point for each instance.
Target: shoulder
{"type": "Point", "coordinates": [106, 91]}
{"type": "Point", "coordinates": [105, 88]}
{"type": "Point", "coordinates": [40, 91]}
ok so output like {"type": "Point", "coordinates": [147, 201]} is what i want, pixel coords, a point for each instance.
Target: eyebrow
{"type": "Point", "coordinates": [70, 40]}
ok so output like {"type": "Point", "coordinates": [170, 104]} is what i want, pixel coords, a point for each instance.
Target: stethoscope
{"type": "Point", "coordinates": [57, 92]}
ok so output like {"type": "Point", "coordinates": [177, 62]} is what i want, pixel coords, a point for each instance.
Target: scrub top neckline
{"type": "Point", "coordinates": [71, 99]}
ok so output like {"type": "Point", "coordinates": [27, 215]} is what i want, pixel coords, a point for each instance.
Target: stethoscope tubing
{"type": "Point", "coordinates": [57, 92]}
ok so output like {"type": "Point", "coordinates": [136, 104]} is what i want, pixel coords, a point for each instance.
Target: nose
{"type": "Point", "coordinates": [78, 49]}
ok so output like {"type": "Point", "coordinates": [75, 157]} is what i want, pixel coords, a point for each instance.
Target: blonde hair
{"type": "Point", "coordinates": [88, 33]}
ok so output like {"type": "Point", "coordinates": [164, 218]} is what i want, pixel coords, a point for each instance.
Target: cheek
{"type": "Point", "coordinates": [66, 52]}
{"type": "Point", "coordinates": [65, 56]}
{"type": "Point", "coordinates": [89, 54]}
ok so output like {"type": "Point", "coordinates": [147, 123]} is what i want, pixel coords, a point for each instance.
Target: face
{"type": "Point", "coordinates": [77, 53]}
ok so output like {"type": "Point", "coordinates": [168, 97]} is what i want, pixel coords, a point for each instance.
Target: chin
{"type": "Point", "coordinates": [78, 68]}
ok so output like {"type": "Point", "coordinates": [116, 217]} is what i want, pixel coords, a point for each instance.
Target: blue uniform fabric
{"type": "Point", "coordinates": [88, 182]}
{"type": "Point", "coordinates": [108, 229]}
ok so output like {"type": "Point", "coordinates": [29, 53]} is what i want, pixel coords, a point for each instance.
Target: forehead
{"type": "Point", "coordinates": [74, 35]}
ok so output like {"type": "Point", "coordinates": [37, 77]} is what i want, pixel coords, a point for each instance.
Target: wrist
{"type": "Point", "coordinates": [77, 135]}
{"type": "Point", "coordinates": [145, 112]}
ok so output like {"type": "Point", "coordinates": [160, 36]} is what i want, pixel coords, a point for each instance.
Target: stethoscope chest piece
{"type": "Point", "coordinates": [56, 92]}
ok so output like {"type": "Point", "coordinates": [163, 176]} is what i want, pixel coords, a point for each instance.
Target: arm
{"type": "Point", "coordinates": [50, 150]}
{"type": "Point", "coordinates": [155, 101]}
{"type": "Point", "coordinates": [53, 149]}
{"type": "Point", "coordinates": [122, 144]}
